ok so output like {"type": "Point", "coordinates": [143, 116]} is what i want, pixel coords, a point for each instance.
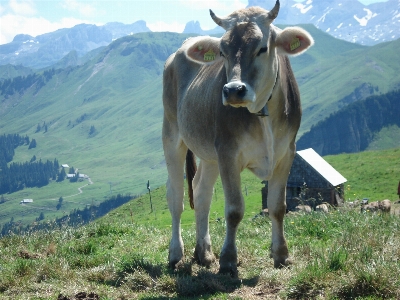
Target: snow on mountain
{"type": "Point", "coordinates": [349, 20]}
{"type": "Point", "coordinates": [47, 49]}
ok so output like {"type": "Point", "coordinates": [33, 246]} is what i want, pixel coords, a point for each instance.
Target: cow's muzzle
{"type": "Point", "coordinates": [234, 89]}
{"type": "Point", "coordinates": [237, 94]}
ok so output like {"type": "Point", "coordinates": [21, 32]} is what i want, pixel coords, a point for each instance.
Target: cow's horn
{"type": "Point", "coordinates": [219, 21]}
{"type": "Point", "coordinates": [274, 12]}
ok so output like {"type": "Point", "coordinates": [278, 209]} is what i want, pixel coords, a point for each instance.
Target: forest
{"type": "Point", "coordinates": [75, 218]}
{"type": "Point", "coordinates": [353, 127]}
{"type": "Point", "coordinates": [17, 176]}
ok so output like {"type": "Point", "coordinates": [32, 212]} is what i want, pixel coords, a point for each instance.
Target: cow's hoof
{"type": "Point", "coordinates": [176, 264]}
{"type": "Point", "coordinates": [283, 263]}
{"type": "Point", "coordinates": [230, 269]}
{"type": "Point", "coordinates": [228, 261]}
{"type": "Point", "coordinates": [204, 257]}
{"type": "Point", "coordinates": [205, 260]}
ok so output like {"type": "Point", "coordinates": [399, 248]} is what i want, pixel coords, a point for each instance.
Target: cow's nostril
{"type": "Point", "coordinates": [241, 90]}
{"type": "Point", "coordinates": [225, 91]}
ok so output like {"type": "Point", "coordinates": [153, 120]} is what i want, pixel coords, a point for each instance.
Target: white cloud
{"type": "Point", "coordinates": [222, 6]}
{"type": "Point", "coordinates": [163, 26]}
{"type": "Point", "coordinates": [84, 9]}
{"type": "Point", "coordinates": [24, 8]}
{"type": "Point", "coordinates": [11, 25]}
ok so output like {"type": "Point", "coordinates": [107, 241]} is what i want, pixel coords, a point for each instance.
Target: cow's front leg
{"type": "Point", "coordinates": [277, 210]}
{"type": "Point", "coordinates": [234, 210]}
{"type": "Point", "coordinates": [203, 184]}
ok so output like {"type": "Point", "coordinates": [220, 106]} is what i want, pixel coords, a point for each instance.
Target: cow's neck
{"type": "Point", "coordinates": [264, 111]}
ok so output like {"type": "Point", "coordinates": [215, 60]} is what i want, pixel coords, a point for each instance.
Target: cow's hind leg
{"type": "Point", "coordinates": [203, 184]}
{"type": "Point", "coordinates": [175, 153]}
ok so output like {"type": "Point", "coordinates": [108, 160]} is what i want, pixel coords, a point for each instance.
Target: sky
{"type": "Point", "coordinates": [35, 17]}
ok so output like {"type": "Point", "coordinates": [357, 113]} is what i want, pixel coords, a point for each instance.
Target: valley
{"type": "Point", "coordinates": [116, 92]}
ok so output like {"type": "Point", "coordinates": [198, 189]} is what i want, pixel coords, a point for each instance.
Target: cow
{"type": "Point", "coordinates": [233, 103]}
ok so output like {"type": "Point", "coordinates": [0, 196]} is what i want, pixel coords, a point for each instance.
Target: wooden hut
{"type": "Point", "coordinates": [311, 181]}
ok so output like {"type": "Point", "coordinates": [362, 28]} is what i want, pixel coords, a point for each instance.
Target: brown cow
{"type": "Point", "coordinates": [215, 94]}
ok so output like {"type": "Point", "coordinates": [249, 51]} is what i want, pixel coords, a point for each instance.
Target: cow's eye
{"type": "Point", "coordinates": [262, 50]}
{"type": "Point", "coordinates": [221, 54]}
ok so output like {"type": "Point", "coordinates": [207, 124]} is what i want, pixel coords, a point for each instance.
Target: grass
{"type": "Point", "coordinates": [370, 174]}
{"type": "Point", "coordinates": [340, 255]}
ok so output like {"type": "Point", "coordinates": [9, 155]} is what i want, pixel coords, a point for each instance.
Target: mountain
{"type": "Point", "coordinates": [117, 92]}
{"type": "Point", "coordinates": [354, 127]}
{"type": "Point", "coordinates": [10, 71]}
{"type": "Point", "coordinates": [349, 20]}
{"type": "Point", "coordinates": [193, 27]}
{"type": "Point", "coordinates": [334, 73]}
{"type": "Point", "coordinates": [47, 49]}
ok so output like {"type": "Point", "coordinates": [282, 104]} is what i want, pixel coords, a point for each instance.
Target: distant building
{"type": "Point", "coordinates": [312, 176]}
{"type": "Point", "coordinates": [70, 175]}
{"type": "Point", "coordinates": [64, 166]}
{"type": "Point", "coordinates": [26, 201]}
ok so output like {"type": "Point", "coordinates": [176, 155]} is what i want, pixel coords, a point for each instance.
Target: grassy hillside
{"type": "Point", "coordinates": [370, 174]}
{"type": "Point", "coordinates": [327, 80]}
{"type": "Point", "coordinates": [118, 91]}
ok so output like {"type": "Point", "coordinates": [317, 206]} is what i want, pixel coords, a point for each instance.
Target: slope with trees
{"type": "Point", "coordinates": [354, 127]}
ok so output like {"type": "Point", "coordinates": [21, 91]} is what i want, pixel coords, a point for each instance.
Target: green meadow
{"type": "Point", "coordinates": [344, 254]}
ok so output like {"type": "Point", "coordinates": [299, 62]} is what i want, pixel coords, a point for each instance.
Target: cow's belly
{"type": "Point", "coordinates": [201, 144]}
{"type": "Point", "coordinates": [261, 161]}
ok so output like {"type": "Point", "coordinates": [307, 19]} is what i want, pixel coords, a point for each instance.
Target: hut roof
{"type": "Point", "coordinates": [321, 166]}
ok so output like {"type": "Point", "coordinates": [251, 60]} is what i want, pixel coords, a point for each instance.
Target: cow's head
{"type": "Point", "coordinates": [249, 49]}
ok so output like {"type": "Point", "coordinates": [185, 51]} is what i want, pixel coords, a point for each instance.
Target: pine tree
{"type": "Point", "coordinates": [38, 128]}
{"type": "Point", "coordinates": [41, 217]}
{"type": "Point", "coordinates": [61, 176]}
{"type": "Point", "coordinates": [32, 144]}
{"type": "Point", "coordinates": [92, 130]}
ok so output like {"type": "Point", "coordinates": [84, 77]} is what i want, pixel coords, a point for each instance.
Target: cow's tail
{"type": "Point", "coordinates": [191, 169]}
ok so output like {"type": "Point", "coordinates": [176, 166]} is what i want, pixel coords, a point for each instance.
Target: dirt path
{"type": "Point", "coordinates": [80, 191]}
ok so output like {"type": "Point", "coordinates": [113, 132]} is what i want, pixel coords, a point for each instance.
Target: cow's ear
{"type": "Point", "coordinates": [204, 50]}
{"type": "Point", "coordinates": [293, 41]}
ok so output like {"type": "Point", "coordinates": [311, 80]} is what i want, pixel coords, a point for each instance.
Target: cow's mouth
{"type": "Point", "coordinates": [237, 104]}
{"type": "Point", "coordinates": [237, 94]}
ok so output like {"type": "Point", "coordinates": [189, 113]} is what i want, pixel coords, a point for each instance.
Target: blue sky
{"type": "Point", "coordinates": [36, 17]}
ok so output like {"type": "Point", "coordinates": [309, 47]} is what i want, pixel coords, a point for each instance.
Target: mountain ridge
{"type": "Point", "coordinates": [118, 91]}
{"type": "Point", "coordinates": [47, 49]}
{"type": "Point", "coordinates": [348, 20]}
